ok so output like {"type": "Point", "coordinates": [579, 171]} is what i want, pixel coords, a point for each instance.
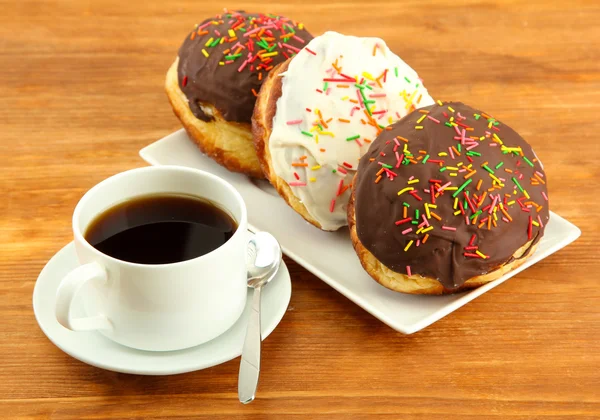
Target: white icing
{"type": "Point", "coordinates": [304, 76]}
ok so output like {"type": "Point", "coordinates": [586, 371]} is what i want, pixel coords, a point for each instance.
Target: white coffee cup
{"type": "Point", "coordinates": [156, 307]}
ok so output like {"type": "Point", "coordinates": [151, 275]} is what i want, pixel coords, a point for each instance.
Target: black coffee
{"type": "Point", "coordinates": [160, 229]}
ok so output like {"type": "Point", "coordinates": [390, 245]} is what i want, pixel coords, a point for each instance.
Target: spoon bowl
{"type": "Point", "coordinates": [264, 258]}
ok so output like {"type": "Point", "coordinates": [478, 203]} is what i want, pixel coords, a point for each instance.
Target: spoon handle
{"type": "Point", "coordinates": [250, 364]}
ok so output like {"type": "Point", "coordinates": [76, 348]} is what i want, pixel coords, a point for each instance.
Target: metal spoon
{"type": "Point", "coordinates": [264, 257]}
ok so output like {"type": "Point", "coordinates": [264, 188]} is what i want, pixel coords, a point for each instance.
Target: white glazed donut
{"type": "Point", "coordinates": [335, 97]}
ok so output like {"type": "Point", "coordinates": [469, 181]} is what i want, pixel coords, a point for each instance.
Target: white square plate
{"type": "Point", "coordinates": [330, 256]}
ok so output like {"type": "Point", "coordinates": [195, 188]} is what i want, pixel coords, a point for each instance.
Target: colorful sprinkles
{"type": "Point", "coordinates": [365, 97]}
{"type": "Point", "coordinates": [253, 42]}
{"type": "Point", "coordinates": [483, 195]}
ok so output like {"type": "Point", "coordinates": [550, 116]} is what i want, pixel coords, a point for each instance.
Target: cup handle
{"type": "Point", "coordinates": [65, 295]}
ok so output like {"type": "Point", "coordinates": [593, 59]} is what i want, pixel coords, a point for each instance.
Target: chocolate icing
{"type": "Point", "coordinates": [378, 205]}
{"type": "Point", "coordinates": [204, 80]}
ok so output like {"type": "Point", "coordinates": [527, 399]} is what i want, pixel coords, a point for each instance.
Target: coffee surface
{"type": "Point", "coordinates": [160, 229]}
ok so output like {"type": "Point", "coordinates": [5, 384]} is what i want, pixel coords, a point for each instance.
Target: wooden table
{"type": "Point", "coordinates": [81, 88]}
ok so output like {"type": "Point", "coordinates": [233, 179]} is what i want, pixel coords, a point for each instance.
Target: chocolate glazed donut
{"type": "Point", "coordinates": [213, 82]}
{"type": "Point", "coordinates": [220, 73]}
{"type": "Point", "coordinates": [451, 194]}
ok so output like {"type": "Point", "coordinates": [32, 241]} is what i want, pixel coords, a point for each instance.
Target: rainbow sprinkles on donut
{"type": "Point", "coordinates": [449, 198]}
{"type": "Point", "coordinates": [318, 113]}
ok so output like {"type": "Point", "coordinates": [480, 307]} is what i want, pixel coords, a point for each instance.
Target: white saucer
{"type": "Point", "coordinates": [96, 350]}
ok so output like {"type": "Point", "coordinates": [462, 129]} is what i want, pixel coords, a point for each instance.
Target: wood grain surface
{"type": "Point", "coordinates": [81, 84]}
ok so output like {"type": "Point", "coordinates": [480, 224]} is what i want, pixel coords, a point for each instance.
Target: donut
{"type": "Point", "coordinates": [213, 83]}
{"type": "Point", "coordinates": [449, 199]}
{"type": "Point", "coordinates": [317, 114]}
